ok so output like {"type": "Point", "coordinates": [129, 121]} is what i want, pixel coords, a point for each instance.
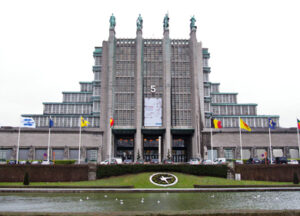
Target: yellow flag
{"type": "Point", "coordinates": [243, 125]}
{"type": "Point", "coordinates": [84, 123]}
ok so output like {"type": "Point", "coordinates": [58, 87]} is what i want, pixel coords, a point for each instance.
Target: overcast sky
{"type": "Point", "coordinates": [46, 47]}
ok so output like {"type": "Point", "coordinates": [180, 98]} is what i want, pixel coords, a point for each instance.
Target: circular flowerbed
{"type": "Point", "coordinates": [163, 179]}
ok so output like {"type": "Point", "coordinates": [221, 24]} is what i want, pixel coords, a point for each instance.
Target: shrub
{"type": "Point", "coordinates": [295, 179]}
{"type": "Point", "coordinates": [199, 170]}
{"type": "Point", "coordinates": [26, 179]}
{"type": "Point", "coordinates": [65, 161]}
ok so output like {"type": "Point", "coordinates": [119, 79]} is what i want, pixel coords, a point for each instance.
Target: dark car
{"type": "Point", "coordinates": [140, 161]}
{"type": "Point", "coordinates": [268, 161]}
{"type": "Point", "coordinates": [127, 161]}
{"type": "Point", "coordinates": [167, 161]}
{"type": "Point", "coordinates": [253, 161]}
{"type": "Point", "coordinates": [281, 160]}
{"type": "Point", "coordinates": [154, 161]}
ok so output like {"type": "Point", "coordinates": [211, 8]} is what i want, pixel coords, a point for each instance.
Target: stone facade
{"type": "Point", "coordinates": [160, 96]}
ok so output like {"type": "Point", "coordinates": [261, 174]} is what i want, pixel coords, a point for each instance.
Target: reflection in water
{"type": "Point", "coordinates": [106, 202]}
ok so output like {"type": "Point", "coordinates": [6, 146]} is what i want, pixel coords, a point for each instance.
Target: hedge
{"type": "Point", "coordinates": [199, 170]}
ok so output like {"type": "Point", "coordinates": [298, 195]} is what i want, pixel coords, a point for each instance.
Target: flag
{"type": "Point", "coordinates": [216, 123]}
{"type": "Point", "coordinates": [27, 122]}
{"type": "Point", "coordinates": [51, 123]}
{"type": "Point", "coordinates": [272, 124]}
{"type": "Point", "coordinates": [111, 122]}
{"type": "Point", "coordinates": [298, 123]}
{"type": "Point", "coordinates": [84, 123]}
{"type": "Point", "coordinates": [243, 125]}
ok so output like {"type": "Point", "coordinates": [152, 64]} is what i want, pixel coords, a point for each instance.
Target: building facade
{"type": "Point", "coordinates": [160, 96]}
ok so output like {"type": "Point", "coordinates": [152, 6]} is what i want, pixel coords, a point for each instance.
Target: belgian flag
{"type": "Point", "coordinates": [216, 123]}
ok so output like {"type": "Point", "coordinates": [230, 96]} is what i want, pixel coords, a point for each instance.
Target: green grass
{"type": "Point", "coordinates": [142, 181]}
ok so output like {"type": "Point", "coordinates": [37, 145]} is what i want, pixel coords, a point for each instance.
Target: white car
{"type": "Point", "coordinates": [45, 162]}
{"type": "Point", "coordinates": [207, 162]}
{"type": "Point", "coordinates": [194, 161]}
{"type": "Point", "coordinates": [293, 162]}
{"type": "Point", "coordinates": [112, 161]}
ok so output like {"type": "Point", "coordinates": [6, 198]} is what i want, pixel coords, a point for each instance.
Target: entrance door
{"type": "Point", "coordinates": [150, 147]}
{"type": "Point", "coordinates": [179, 148]}
{"type": "Point", "coordinates": [124, 147]}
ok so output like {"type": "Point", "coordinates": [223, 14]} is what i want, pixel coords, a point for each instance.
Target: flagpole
{"type": "Point", "coordinates": [211, 145]}
{"type": "Point", "coordinates": [241, 139]}
{"type": "Point", "coordinates": [298, 139]}
{"type": "Point", "coordinates": [19, 134]}
{"type": "Point", "coordinates": [109, 149]}
{"type": "Point", "coordinates": [48, 152]}
{"type": "Point", "coordinates": [270, 146]}
{"type": "Point", "coordinates": [79, 140]}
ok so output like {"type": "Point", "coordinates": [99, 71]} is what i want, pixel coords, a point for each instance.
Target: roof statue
{"type": "Point", "coordinates": [139, 22]}
{"type": "Point", "coordinates": [193, 21]}
{"type": "Point", "coordinates": [112, 21]}
{"type": "Point", "coordinates": [166, 22]}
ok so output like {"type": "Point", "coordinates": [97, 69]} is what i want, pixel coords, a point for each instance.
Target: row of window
{"type": "Point", "coordinates": [86, 87]}
{"type": "Point", "coordinates": [67, 108]}
{"type": "Point", "coordinates": [77, 97]}
{"type": "Point", "coordinates": [229, 153]}
{"type": "Point", "coordinates": [55, 154]}
{"type": "Point", "coordinates": [65, 121]}
{"type": "Point", "coordinates": [223, 98]}
{"type": "Point", "coordinates": [234, 110]}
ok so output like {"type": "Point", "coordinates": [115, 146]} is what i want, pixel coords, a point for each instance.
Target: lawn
{"type": "Point", "coordinates": [142, 181]}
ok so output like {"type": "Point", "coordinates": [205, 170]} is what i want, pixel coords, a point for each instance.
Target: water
{"type": "Point", "coordinates": [108, 202]}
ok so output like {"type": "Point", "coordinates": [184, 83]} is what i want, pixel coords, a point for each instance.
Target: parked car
{"type": "Point", "coordinates": [127, 161]}
{"type": "Point", "coordinates": [35, 162]}
{"type": "Point", "coordinates": [167, 161]}
{"type": "Point", "coordinates": [194, 161]}
{"type": "Point", "coordinates": [281, 160]}
{"type": "Point", "coordinates": [46, 162]}
{"type": "Point", "coordinates": [107, 162]}
{"type": "Point", "coordinates": [219, 161]}
{"type": "Point", "coordinates": [2, 161]}
{"type": "Point", "coordinates": [207, 162]}
{"type": "Point", "coordinates": [238, 161]}
{"type": "Point", "coordinates": [253, 161]}
{"type": "Point", "coordinates": [293, 162]}
{"type": "Point", "coordinates": [11, 162]}
{"type": "Point", "coordinates": [140, 161]}
{"type": "Point", "coordinates": [22, 162]}
{"type": "Point", "coordinates": [154, 161]}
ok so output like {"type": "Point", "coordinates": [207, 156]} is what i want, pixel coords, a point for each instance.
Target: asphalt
{"type": "Point", "coordinates": [145, 190]}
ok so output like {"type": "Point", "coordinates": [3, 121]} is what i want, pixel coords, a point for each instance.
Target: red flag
{"type": "Point", "coordinates": [298, 124]}
{"type": "Point", "coordinates": [111, 122]}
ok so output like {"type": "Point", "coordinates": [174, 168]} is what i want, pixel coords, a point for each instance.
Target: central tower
{"type": "Point", "coordinates": [153, 89]}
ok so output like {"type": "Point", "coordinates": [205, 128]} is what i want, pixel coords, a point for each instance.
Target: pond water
{"type": "Point", "coordinates": [107, 202]}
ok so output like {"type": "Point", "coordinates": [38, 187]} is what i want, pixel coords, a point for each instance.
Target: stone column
{"type": "Point", "coordinates": [107, 93]}
{"type": "Point", "coordinates": [252, 152]}
{"type": "Point", "coordinates": [167, 94]}
{"type": "Point", "coordinates": [197, 94]}
{"type": "Point", "coordinates": [139, 95]}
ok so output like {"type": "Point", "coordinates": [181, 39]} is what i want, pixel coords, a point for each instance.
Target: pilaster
{"type": "Point", "coordinates": [139, 94]}
{"type": "Point", "coordinates": [197, 94]}
{"type": "Point", "coordinates": [167, 94]}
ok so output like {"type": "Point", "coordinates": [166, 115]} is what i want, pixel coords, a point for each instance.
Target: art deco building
{"type": "Point", "coordinates": [159, 94]}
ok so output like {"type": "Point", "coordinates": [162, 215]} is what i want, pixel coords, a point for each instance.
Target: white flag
{"type": "Point", "coordinates": [27, 122]}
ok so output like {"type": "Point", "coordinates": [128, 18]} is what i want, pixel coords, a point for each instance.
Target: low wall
{"type": "Point", "coordinates": [44, 173]}
{"type": "Point", "coordinates": [260, 172]}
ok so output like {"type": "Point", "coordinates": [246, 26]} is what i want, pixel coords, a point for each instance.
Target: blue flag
{"type": "Point", "coordinates": [272, 124]}
{"type": "Point", "coordinates": [51, 123]}
{"type": "Point", "coordinates": [27, 122]}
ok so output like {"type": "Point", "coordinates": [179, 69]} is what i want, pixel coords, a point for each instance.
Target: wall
{"type": "Point", "coordinates": [44, 173]}
{"type": "Point", "coordinates": [280, 173]}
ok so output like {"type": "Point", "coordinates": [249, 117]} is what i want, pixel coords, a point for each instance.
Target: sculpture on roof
{"type": "Point", "coordinates": [139, 22]}
{"type": "Point", "coordinates": [166, 22]}
{"type": "Point", "coordinates": [112, 21]}
{"type": "Point", "coordinates": [193, 21]}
